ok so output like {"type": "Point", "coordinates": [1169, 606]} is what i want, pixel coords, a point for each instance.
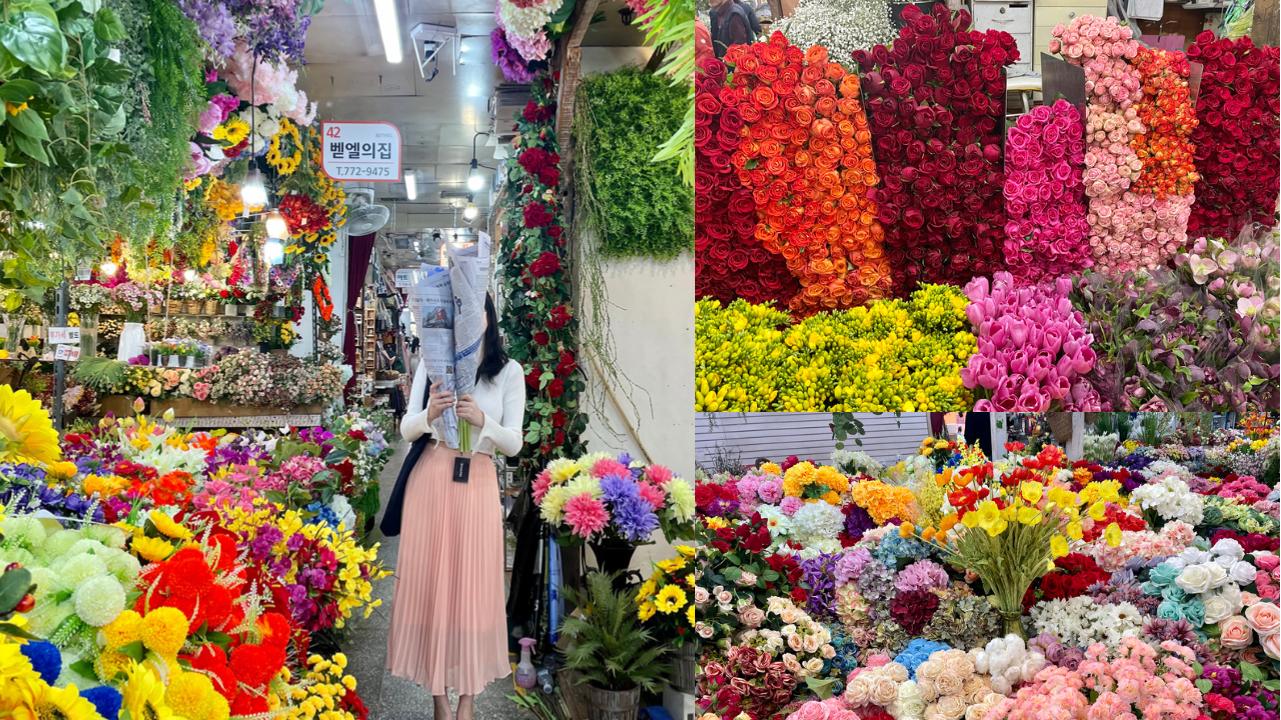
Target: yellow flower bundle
{"type": "Point", "coordinates": [889, 355]}
{"type": "Point", "coordinates": [804, 480]}
{"type": "Point", "coordinates": [666, 596]}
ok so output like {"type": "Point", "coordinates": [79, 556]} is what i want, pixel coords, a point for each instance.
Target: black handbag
{"type": "Point", "coordinates": [390, 525]}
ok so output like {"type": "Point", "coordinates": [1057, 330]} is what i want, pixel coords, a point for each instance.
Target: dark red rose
{"type": "Point", "coordinates": [547, 264]}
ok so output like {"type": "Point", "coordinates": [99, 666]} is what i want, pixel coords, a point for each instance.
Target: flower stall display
{"type": "Point", "coordinates": [1029, 587]}
{"type": "Point", "coordinates": [160, 592]}
{"type": "Point", "coordinates": [935, 103]}
{"type": "Point", "coordinates": [807, 160]}
{"type": "Point", "coordinates": [753, 358]}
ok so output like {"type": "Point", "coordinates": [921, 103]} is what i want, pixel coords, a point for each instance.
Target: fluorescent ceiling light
{"type": "Point", "coordinates": [389, 29]}
{"type": "Point", "coordinates": [411, 185]}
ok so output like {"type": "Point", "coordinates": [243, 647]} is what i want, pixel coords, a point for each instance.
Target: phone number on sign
{"type": "Point", "coordinates": [364, 171]}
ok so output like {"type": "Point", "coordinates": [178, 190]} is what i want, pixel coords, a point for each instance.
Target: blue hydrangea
{"type": "Point", "coordinates": [323, 514]}
{"type": "Point", "coordinates": [105, 699]}
{"type": "Point", "coordinates": [896, 552]}
{"type": "Point", "coordinates": [917, 652]}
{"type": "Point", "coordinates": [45, 658]}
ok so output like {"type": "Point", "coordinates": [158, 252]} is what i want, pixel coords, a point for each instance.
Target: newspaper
{"type": "Point", "coordinates": [432, 302]}
{"type": "Point", "coordinates": [469, 279]}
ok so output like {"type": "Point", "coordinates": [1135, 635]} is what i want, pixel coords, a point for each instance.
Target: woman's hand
{"type": "Point", "coordinates": [470, 411]}
{"type": "Point", "coordinates": [441, 400]}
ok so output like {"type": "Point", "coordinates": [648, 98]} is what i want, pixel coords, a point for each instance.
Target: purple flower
{"type": "Point", "coordinates": [857, 522]}
{"type": "Point", "coordinates": [514, 67]}
{"type": "Point", "coordinates": [817, 576]}
{"type": "Point", "coordinates": [633, 517]}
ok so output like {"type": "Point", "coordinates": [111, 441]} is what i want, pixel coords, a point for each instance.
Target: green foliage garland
{"type": "Point", "coordinates": [538, 319]}
{"type": "Point", "coordinates": [639, 207]}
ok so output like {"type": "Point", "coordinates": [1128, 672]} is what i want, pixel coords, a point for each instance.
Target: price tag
{"type": "Point", "coordinates": [404, 278]}
{"type": "Point", "coordinates": [366, 151]}
{"type": "Point", "coordinates": [84, 271]}
{"type": "Point", "coordinates": [64, 336]}
{"type": "Point", "coordinates": [67, 352]}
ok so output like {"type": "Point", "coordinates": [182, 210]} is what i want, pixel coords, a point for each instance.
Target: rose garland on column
{"type": "Point", "coordinates": [729, 262]}
{"type": "Point", "coordinates": [538, 319]}
{"type": "Point", "coordinates": [936, 105]}
{"type": "Point", "coordinates": [1236, 140]}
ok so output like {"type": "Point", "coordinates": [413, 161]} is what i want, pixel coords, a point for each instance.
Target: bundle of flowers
{"type": "Point", "coordinates": [530, 25]}
{"type": "Point", "coordinates": [841, 26]}
{"type": "Point", "coordinates": [602, 496]}
{"type": "Point", "coordinates": [805, 154]}
{"type": "Point", "coordinates": [752, 358]}
{"type": "Point", "coordinates": [1045, 234]}
{"type": "Point", "coordinates": [664, 601]}
{"type": "Point", "coordinates": [935, 108]}
{"type": "Point", "coordinates": [1236, 135]}
{"type": "Point", "coordinates": [1166, 111]}
{"type": "Point", "coordinates": [729, 261]}
{"type": "Point", "coordinates": [1034, 350]}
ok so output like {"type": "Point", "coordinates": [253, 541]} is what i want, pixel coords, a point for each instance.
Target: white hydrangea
{"type": "Point", "coordinates": [1008, 661]}
{"type": "Point", "coordinates": [1170, 497]}
{"type": "Point", "coordinates": [841, 26]}
{"type": "Point", "coordinates": [854, 462]}
{"type": "Point", "coordinates": [816, 522]}
{"type": "Point", "coordinates": [1081, 621]}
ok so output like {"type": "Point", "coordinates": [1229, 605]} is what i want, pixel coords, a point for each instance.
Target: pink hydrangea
{"type": "Point", "coordinates": [921, 575]}
{"type": "Point", "coordinates": [790, 505]}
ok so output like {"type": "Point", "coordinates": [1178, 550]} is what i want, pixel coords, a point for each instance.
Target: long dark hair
{"type": "Point", "coordinates": [495, 355]}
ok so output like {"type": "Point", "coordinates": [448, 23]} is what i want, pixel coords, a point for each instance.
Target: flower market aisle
{"type": "Point", "coordinates": [386, 696]}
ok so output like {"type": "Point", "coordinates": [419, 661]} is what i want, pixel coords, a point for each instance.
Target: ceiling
{"type": "Point", "coordinates": [349, 76]}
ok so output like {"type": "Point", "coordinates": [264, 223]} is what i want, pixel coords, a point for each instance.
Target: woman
{"type": "Point", "coordinates": [448, 624]}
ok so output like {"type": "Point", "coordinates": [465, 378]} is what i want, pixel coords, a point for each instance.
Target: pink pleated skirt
{"type": "Point", "coordinates": [448, 616]}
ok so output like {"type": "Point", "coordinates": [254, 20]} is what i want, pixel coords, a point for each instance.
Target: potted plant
{"type": "Point", "coordinates": [612, 654]}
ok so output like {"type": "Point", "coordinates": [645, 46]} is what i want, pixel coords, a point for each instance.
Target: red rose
{"type": "Point", "coordinates": [558, 318]}
{"type": "Point", "coordinates": [547, 264]}
{"type": "Point", "coordinates": [555, 388]}
{"type": "Point", "coordinates": [567, 364]}
{"type": "Point", "coordinates": [537, 215]}
{"type": "Point", "coordinates": [541, 338]}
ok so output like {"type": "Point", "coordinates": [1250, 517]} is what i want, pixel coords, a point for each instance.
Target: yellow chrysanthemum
{"type": "Point", "coordinates": [164, 630]}
{"type": "Point", "coordinates": [167, 526]}
{"type": "Point", "coordinates": [670, 599]}
{"type": "Point", "coordinates": [152, 549]}
{"type": "Point", "coordinates": [26, 432]}
{"type": "Point", "coordinates": [40, 701]}
{"type": "Point", "coordinates": [123, 630]}
{"type": "Point", "coordinates": [192, 695]}
{"type": "Point", "coordinates": [770, 468]}
{"type": "Point", "coordinates": [144, 695]}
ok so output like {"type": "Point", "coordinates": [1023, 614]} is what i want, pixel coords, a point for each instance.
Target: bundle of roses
{"type": "Point", "coordinates": [1236, 138]}
{"type": "Point", "coordinates": [1045, 234]}
{"type": "Point", "coordinates": [805, 154]}
{"type": "Point", "coordinates": [1166, 111]}
{"type": "Point", "coordinates": [935, 107]}
{"type": "Point", "coordinates": [539, 320]}
{"type": "Point", "coordinates": [747, 683]}
{"type": "Point", "coordinates": [729, 262]}
{"type": "Point", "coordinates": [1034, 348]}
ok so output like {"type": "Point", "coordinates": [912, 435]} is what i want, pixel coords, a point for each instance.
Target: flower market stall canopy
{"type": "Point", "coordinates": [829, 183]}
{"type": "Point", "coordinates": [950, 586]}
{"type": "Point", "coordinates": [178, 574]}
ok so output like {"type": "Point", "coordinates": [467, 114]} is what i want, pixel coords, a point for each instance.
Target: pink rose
{"type": "Point", "coordinates": [1272, 645]}
{"type": "Point", "coordinates": [1264, 617]}
{"type": "Point", "coordinates": [1234, 633]}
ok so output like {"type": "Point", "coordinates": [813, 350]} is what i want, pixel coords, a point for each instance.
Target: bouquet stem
{"type": "Point", "coordinates": [464, 437]}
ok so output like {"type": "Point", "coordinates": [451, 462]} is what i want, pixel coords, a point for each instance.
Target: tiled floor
{"type": "Point", "coordinates": [392, 698]}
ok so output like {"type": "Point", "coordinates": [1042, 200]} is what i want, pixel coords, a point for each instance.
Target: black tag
{"type": "Point", "coordinates": [462, 469]}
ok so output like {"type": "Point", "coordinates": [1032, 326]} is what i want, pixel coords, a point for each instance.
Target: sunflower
{"type": "Point", "coordinates": [26, 432]}
{"type": "Point", "coordinates": [670, 599]}
{"type": "Point", "coordinates": [285, 152]}
{"type": "Point", "coordinates": [232, 132]}
{"type": "Point", "coordinates": [144, 696]}
{"type": "Point", "coordinates": [167, 526]}
{"type": "Point", "coordinates": [38, 701]}
{"type": "Point", "coordinates": [152, 549]}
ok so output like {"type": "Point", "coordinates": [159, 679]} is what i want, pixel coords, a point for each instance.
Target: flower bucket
{"type": "Point", "coordinates": [613, 556]}
{"type": "Point", "coordinates": [194, 307]}
{"type": "Point", "coordinates": [191, 361]}
{"type": "Point", "coordinates": [231, 310]}
{"type": "Point", "coordinates": [684, 669]}
{"type": "Point", "coordinates": [279, 311]}
{"type": "Point", "coordinates": [211, 307]}
{"type": "Point", "coordinates": [175, 361]}
{"type": "Point", "coordinates": [612, 704]}
{"type": "Point", "coordinates": [175, 307]}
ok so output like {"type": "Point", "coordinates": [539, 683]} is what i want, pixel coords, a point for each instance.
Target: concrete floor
{"type": "Point", "coordinates": [393, 698]}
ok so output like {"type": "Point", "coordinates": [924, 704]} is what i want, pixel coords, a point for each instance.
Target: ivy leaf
{"type": "Point", "coordinates": [32, 35]}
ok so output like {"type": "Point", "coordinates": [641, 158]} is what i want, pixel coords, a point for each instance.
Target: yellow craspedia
{"type": "Point", "coordinates": [122, 631]}
{"type": "Point", "coordinates": [164, 630]}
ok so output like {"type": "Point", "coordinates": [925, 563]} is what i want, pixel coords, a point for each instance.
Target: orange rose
{"type": "Point", "coordinates": [825, 105]}
{"type": "Point", "coordinates": [816, 55]}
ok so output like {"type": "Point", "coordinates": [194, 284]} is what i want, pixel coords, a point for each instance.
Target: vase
{"type": "Point", "coordinates": [132, 339]}
{"type": "Point", "coordinates": [613, 555]}
{"type": "Point", "coordinates": [684, 668]}
{"type": "Point", "coordinates": [231, 310]}
{"type": "Point", "coordinates": [612, 704]}
{"type": "Point", "coordinates": [1013, 622]}
{"type": "Point", "coordinates": [88, 334]}
{"type": "Point", "coordinates": [191, 361]}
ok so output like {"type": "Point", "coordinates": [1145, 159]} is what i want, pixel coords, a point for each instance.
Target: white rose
{"type": "Point", "coordinates": [1218, 607]}
{"type": "Point", "coordinates": [1242, 572]}
{"type": "Point", "coordinates": [1218, 574]}
{"type": "Point", "coordinates": [1195, 579]}
{"type": "Point", "coordinates": [1228, 547]}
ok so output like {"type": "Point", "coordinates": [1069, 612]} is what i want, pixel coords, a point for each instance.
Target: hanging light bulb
{"type": "Point", "coordinates": [254, 190]}
{"type": "Point", "coordinates": [273, 251]}
{"type": "Point", "coordinates": [475, 181]}
{"type": "Point", "coordinates": [470, 212]}
{"type": "Point", "coordinates": [188, 275]}
{"type": "Point", "coordinates": [277, 228]}
{"type": "Point", "coordinates": [109, 268]}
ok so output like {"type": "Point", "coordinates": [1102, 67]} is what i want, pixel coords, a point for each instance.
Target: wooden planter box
{"type": "Point", "coordinates": [190, 408]}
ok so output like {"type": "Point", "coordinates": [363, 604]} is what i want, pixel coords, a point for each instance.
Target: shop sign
{"type": "Point", "coordinates": [64, 336]}
{"type": "Point", "coordinates": [361, 151]}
